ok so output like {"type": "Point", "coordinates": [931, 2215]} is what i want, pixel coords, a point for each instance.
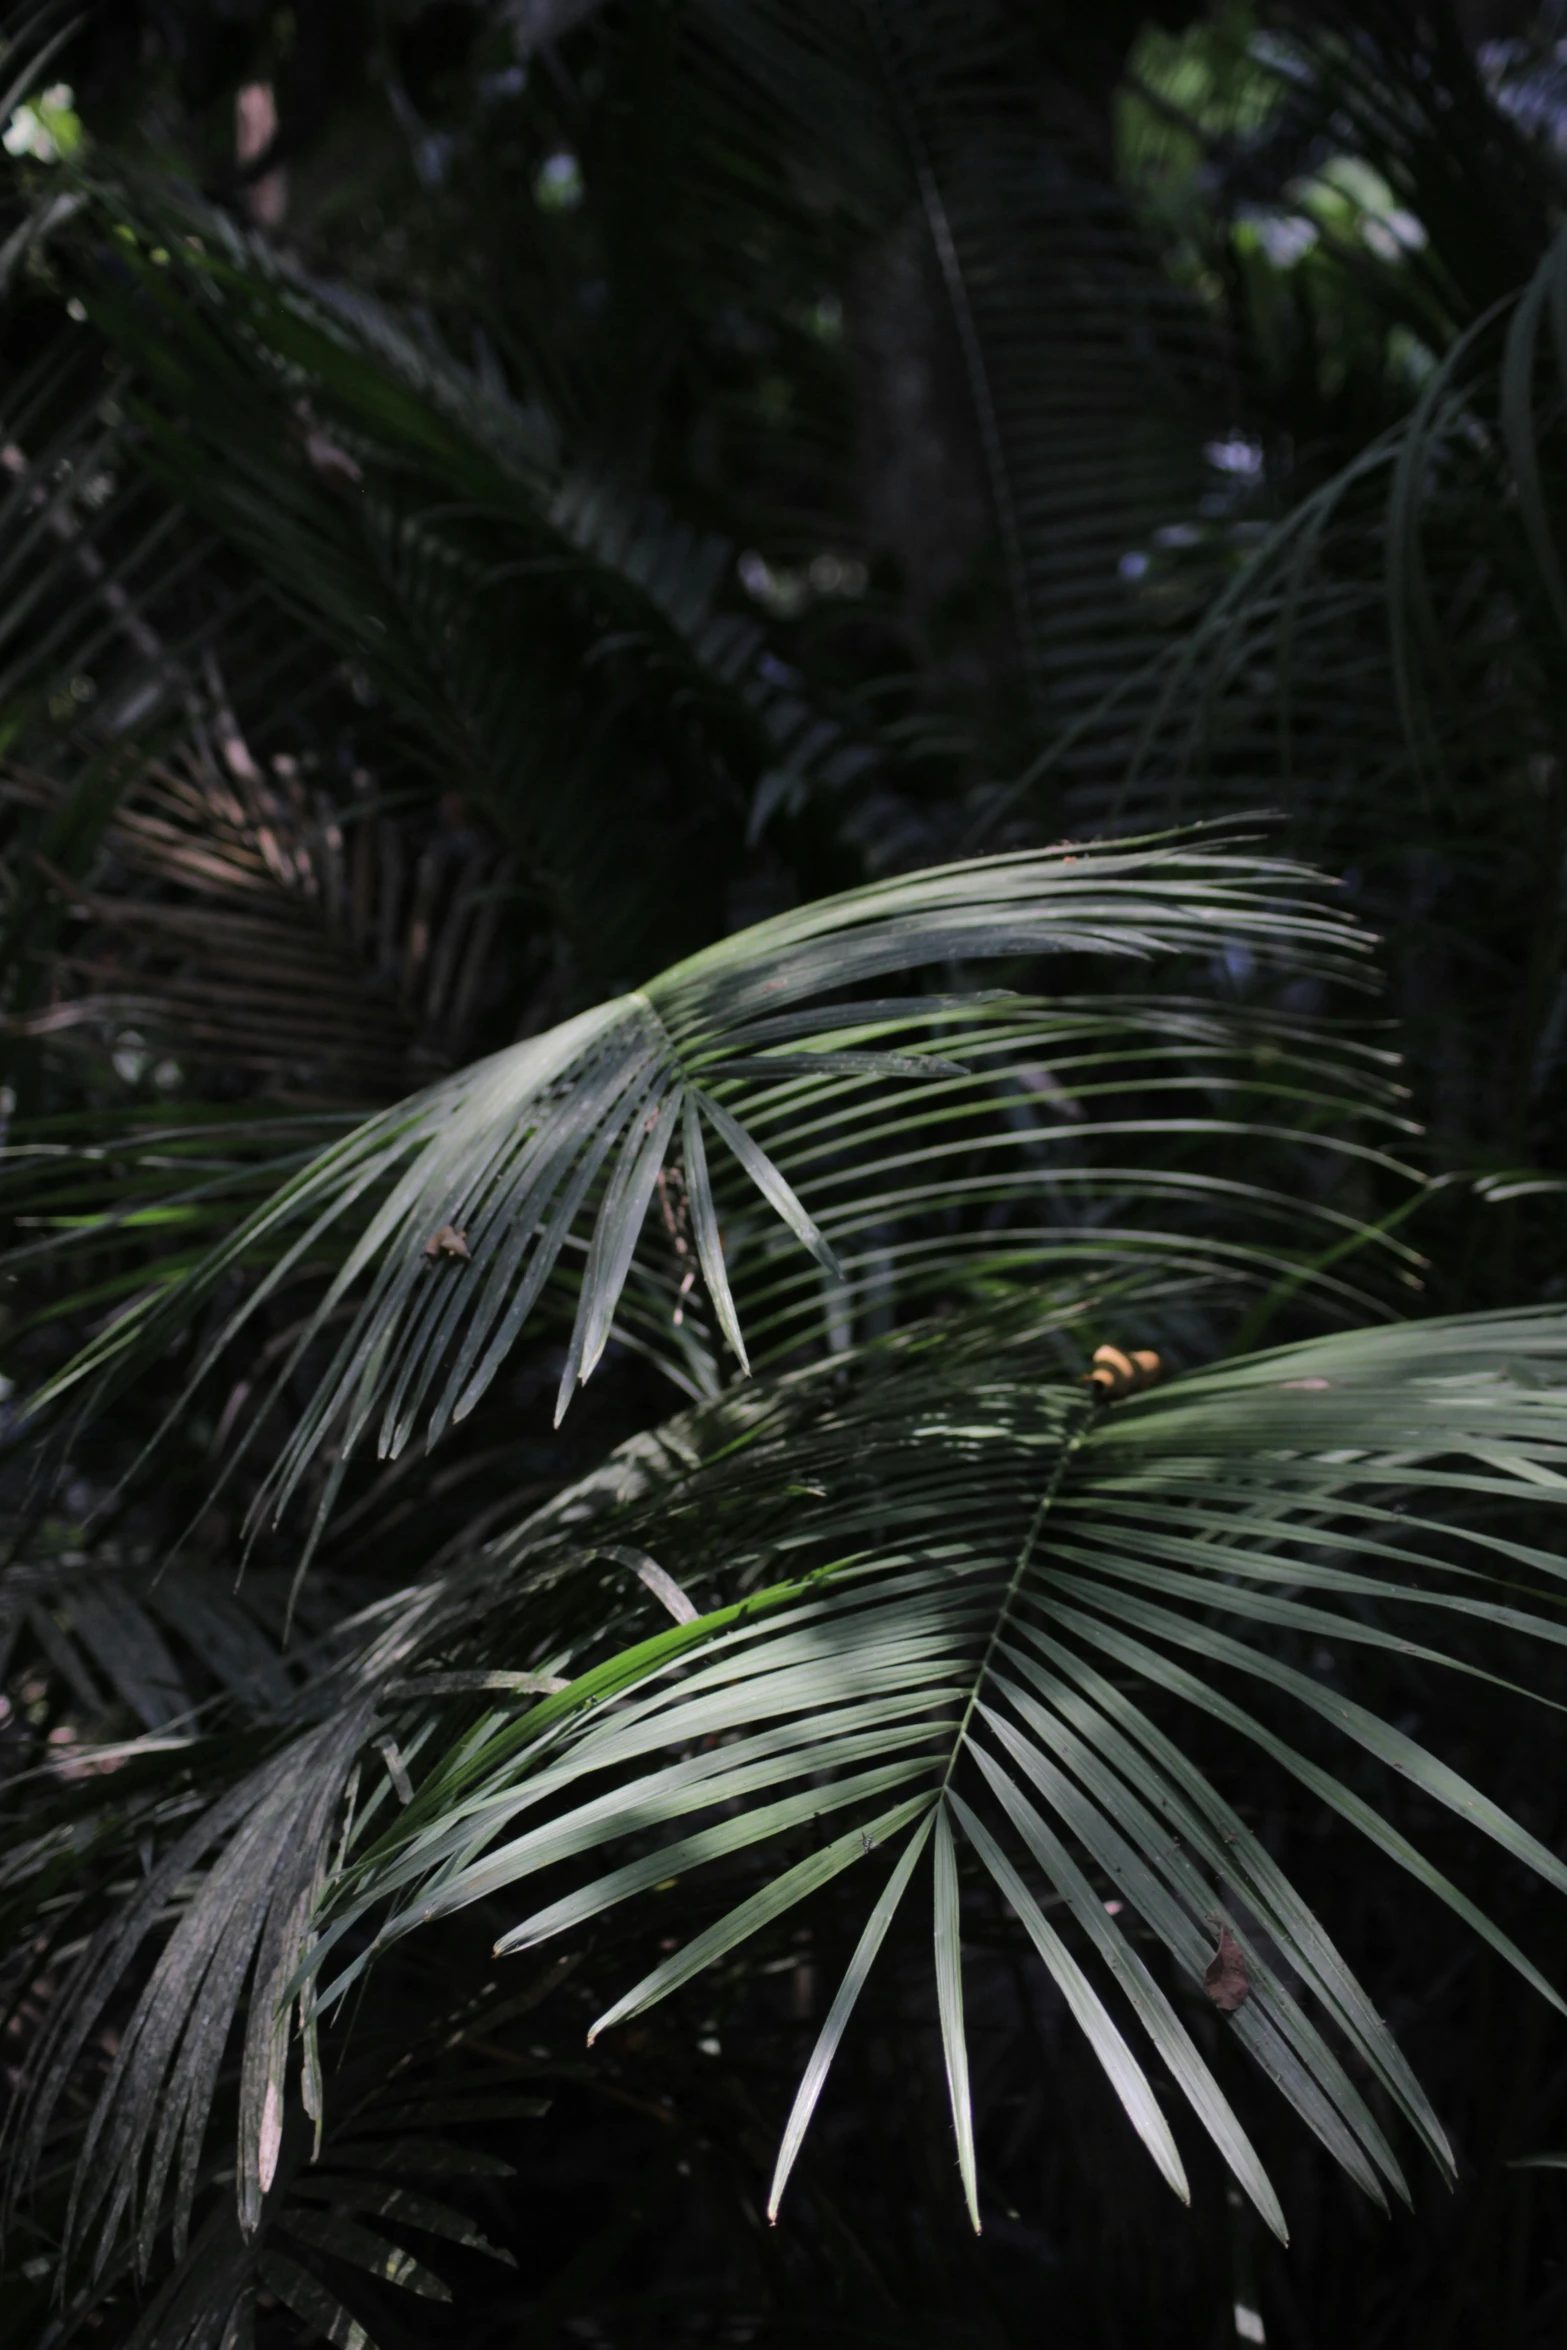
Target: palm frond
{"type": "Point", "coordinates": [456, 1209]}
{"type": "Point", "coordinates": [128, 1633]}
{"type": "Point", "coordinates": [1394, 642]}
{"type": "Point", "coordinates": [938, 1589]}
{"type": "Point", "coordinates": [339, 2195]}
{"type": "Point", "coordinates": [943, 1589]}
{"type": "Point", "coordinates": [440, 539]}
{"type": "Point", "coordinates": [1059, 309]}
{"type": "Point", "coordinates": [970, 1666]}
{"type": "Point", "coordinates": [251, 924]}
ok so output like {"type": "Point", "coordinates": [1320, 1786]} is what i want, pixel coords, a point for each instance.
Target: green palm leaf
{"type": "Point", "coordinates": [442, 539]}
{"type": "Point", "coordinates": [1347, 663]}
{"type": "Point", "coordinates": [953, 119]}
{"type": "Point", "coordinates": [957, 1612]}
{"type": "Point", "coordinates": [446, 1219]}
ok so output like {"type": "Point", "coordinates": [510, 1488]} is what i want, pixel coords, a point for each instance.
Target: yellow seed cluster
{"type": "Point", "coordinates": [1115, 1373]}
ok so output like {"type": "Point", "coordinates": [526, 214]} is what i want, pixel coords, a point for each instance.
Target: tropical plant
{"type": "Point", "coordinates": [899, 1491]}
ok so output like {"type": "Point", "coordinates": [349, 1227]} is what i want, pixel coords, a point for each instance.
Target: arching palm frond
{"type": "Point", "coordinates": [254, 925]}
{"type": "Point", "coordinates": [943, 1598]}
{"type": "Point", "coordinates": [939, 1603]}
{"type": "Point", "coordinates": [986, 1598]}
{"type": "Point", "coordinates": [1060, 314]}
{"type": "Point", "coordinates": [845, 1114]}
{"type": "Point", "coordinates": [569, 653]}
{"type": "Point", "coordinates": [128, 635]}
{"type": "Point", "coordinates": [332, 2199]}
{"type": "Point", "coordinates": [1388, 551]}
{"type": "Point", "coordinates": [1387, 661]}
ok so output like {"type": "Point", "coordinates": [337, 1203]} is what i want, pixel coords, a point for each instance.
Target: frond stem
{"type": "Point", "coordinates": [951, 264]}
{"type": "Point", "coordinates": [1025, 1559]}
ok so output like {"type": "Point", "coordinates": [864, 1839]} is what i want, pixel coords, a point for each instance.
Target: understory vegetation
{"type": "Point", "coordinates": [783, 976]}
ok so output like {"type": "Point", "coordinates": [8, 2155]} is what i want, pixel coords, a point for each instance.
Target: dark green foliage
{"type": "Point", "coordinates": [641, 1314]}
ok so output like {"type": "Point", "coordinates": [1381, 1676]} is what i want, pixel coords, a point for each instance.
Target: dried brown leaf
{"type": "Point", "coordinates": [1225, 1978]}
{"type": "Point", "coordinates": [448, 1242]}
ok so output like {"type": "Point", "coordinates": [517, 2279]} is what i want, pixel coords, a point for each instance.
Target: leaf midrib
{"type": "Point", "coordinates": [1025, 1559]}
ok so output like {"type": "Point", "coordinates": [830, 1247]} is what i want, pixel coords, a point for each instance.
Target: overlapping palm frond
{"type": "Point", "coordinates": [1060, 315]}
{"type": "Point", "coordinates": [254, 927]}
{"type": "Point", "coordinates": [362, 711]}
{"type": "Point", "coordinates": [128, 1641]}
{"type": "Point", "coordinates": [127, 636]}
{"type": "Point", "coordinates": [113, 596]}
{"type": "Point", "coordinates": [900, 1169]}
{"type": "Point", "coordinates": [379, 2192]}
{"type": "Point", "coordinates": [1424, 580]}
{"type": "Point", "coordinates": [437, 535]}
{"type": "Point", "coordinates": [1436, 545]}
{"type": "Point", "coordinates": [937, 1600]}
{"type": "Point", "coordinates": [119, 1633]}
{"type": "Point", "coordinates": [942, 1597]}
{"type": "Point", "coordinates": [1389, 570]}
